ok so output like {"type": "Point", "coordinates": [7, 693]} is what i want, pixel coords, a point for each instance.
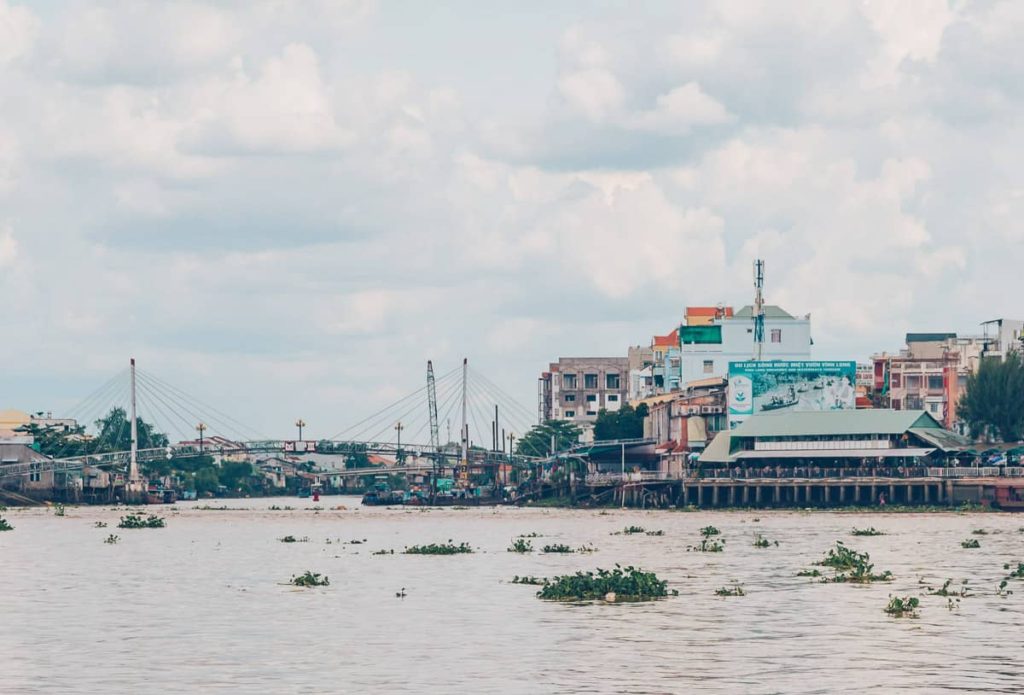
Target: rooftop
{"type": "Point", "coordinates": [929, 337]}
{"type": "Point", "coordinates": [836, 422]}
{"type": "Point", "coordinates": [771, 311]}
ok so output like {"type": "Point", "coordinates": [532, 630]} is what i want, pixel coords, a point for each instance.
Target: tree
{"type": "Point", "coordinates": [537, 442]}
{"type": "Point", "coordinates": [624, 423]}
{"type": "Point", "coordinates": [115, 433]}
{"type": "Point", "coordinates": [993, 404]}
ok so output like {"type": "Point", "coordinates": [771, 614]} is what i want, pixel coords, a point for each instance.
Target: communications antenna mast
{"type": "Point", "coordinates": [758, 309]}
{"type": "Point", "coordinates": [435, 443]}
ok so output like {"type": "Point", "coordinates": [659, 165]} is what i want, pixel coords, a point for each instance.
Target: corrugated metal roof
{"type": "Point", "coordinates": [718, 450]}
{"type": "Point", "coordinates": [835, 422]}
{"type": "Point", "coordinates": [831, 454]}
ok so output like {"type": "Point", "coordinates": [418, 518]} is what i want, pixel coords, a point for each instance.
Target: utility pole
{"type": "Point", "coordinates": [464, 463]}
{"type": "Point", "coordinates": [202, 428]}
{"type": "Point", "coordinates": [300, 423]}
{"type": "Point", "coordinates": [398, 449]}
{"type": "Point", "coordinates": [133, 467]}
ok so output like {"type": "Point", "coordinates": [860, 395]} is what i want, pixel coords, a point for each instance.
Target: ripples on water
{"type": "Point", "coordinates": [200, 605]}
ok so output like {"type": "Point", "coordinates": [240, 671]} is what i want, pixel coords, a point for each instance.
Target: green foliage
{"type": "Point", "coordinates": [521, 545]}
{"type": "Point", "coordinates": [708, 546]}
{"type": "Point", "coordinates": [762, 542]}
{"type": "Point", "coordinates": [556, 548]}
{"type": "Point", "coordinates": [630, 530]}
{"type": "Point", "coordinates": [944, 590]}
{"type": "Point", "coordinates": [527, 580]}
{"type": "Point", "coordinates": [905, 607]}
{"type": "Point", "coordinates": [100, 524]}
{"type": "Point", "coordinates": [310, 579]}
{"type": "Point", "coordinates": [624, 423]}
{"type": "Point", "coordinates": [809, 573]}
{"type": "Point", "coordinates": [979, 532]}
{"type": "Point", "coordinates": [111, 539]}
{"type": "Point", "coordinates": [537, 442]}
{"type": "Point", "coordinates": [293, 539]}
{"type": "Point", "coordinates": [870, 531]}
{"type": "Point", "coordinates": [531, 534]}
{"type": "Point", "coordinates": [448, 548]}
{"type": "Point", "coordinates": [383, 552]}
{"type": "Point", "coordinates": [709, 531]}
{"type": "Point", "coordinates": [136, 521]}
{"type": "Point", "coordinates": [993, 404]}
{"type": "Point", "coordinates": [735, 590]}
{"type": "Point", "coordinates": [5, 525]}
{"type": "Point", "coordinates": [970, 543]}
{"type": "Point", "coordinates": [1017, 573]}
{"type": "Point", "coordinates": [630, 584]}
{"type": "Point", "coordinates": [115, 433]}
{"type": "Point", "coordinates": [58, 510]}
{"type": "Point", "coordinates": [851, 566]}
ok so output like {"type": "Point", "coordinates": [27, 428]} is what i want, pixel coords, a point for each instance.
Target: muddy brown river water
{"type": "Point", "coordinates": [202, 605]}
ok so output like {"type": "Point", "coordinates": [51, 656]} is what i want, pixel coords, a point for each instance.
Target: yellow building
{"type": "Point", "coordinates": [11, 420]}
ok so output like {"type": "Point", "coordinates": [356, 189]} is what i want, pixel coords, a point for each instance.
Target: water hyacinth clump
{"type": "Point", "coordinates": [709, 531]}
{"type": "Point", "coordinates": [383, 552]}
{"type": "Point", "coordinates": [310, 579]}
{"type": "Point", "coordinates": [735, 590]}
{"type": "Point", "coordinates": [535, 581]}
{"type": "Point", "coordinates": [1017, 573]}
{"type": "Point", "coordinates": [293, 539]}
{"type": "Point", "coordinates": [5, 525]}
{"type": "Point", "coordinates": [531, 534]}
{"type": "Point", "coordinates": [762, 542]}
{"type": "Point", "coordinates": [111, 539]}
{"type": "Point", "coordinates": [58, 510]}
{"type": "Point", "coordinates": [903, 607]}
{"type": "Point", "coordinates": [979, 532]}
{"type": "Point", "coordinates": [630, 530]}
{"type": "Point", "coordinates": [521, 545]}
{"type": "Point", "coordinates": [970, 543]}
{"type": "Point", "coordinates": [708, 546]}
{"type": "Point", "coordinates": [100, 524]}
{"type": "Point", "coordinates": [448, 548]}
{"type": "Point", "coordinates": [137, 521]}
{"type": "Point", "coordinates": [557, 548]}
{"type": "Point", "coordinates": [629, 584]}
{"type": "Point", "coordinates": [870, 531]}
{"type": "Point", "coordinates": [944, 590]}
{"type": "Point", "coordinates": [851, 566]}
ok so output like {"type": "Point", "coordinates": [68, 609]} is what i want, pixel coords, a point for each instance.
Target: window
{"type": "Point", "coordinates": [611, 381]}
{"type": "Point", "coordinates": [935, 382]}
{"type": "Point", "coordinates": [776, 335]}
{"type": "Point", "coordinates": [568, 381]}
{"type": "Point", "coordinates": [570, 413]}
{"type": "Point", "coordinates": [613, 398]}
{"type": "Point", "coordinates": [34, 474]}
{"type": "Point", "coordinates": [570, 397]}
{"type": "Point", "coordinates": [895, 381]}
{"type": "Point", "coordinates": [913, 381]}
{"type": "Point", "coordinates": [590, 381]}
{"type": "Point", "coordinates": [673, 363]}
{"type": "Point", "coordinates": [709, 366]}
{"type": "Point", "coordinates": [591, 398]}
{"type": "Point", "coordinates": [935, 408]}
{"type": "Point", "coordinates": [591, 412]}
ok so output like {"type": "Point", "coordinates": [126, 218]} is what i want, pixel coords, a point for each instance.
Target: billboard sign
{"type": "Point", "coordinates": [762, 387]}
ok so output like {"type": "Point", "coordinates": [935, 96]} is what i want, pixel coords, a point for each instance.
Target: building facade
{"type": "Point", "coordinates": [709, 346]}
{"type": "Point", "coordinates": [576, 388]}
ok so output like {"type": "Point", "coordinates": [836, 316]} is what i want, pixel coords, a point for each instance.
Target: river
{"type": "Point", "coordinates": [203, 604]}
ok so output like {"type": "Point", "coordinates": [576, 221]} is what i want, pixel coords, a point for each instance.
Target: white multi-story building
{"type": "Point", "coordinates": [577, 388]}
{"type": "Point", "coordinates": [708, 349]}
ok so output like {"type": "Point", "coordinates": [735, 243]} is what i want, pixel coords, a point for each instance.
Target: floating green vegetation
{"type": "Point", "coordinates": [809, 573]}
{"type": "Point", "coordinates": [275, 508]}
{"type": "Point", "coordinates": [734, 590]}
{"type": "Point", "coordinates": [356, 541]}
{"type": "Point", "coordinates": [630, 530]}
{"type": "Point", "coordinates": [310, 579]}
{"type": "Point", "coordinates": [970, 543]}
{"type": "Point", "coordinates": [952, 603]}
{"type": "Point", "coordinates": [629, 584]}
{"type": "Point", "coordinates": [586, 549]}
{"type": "Point", "coordinates": [851, 566]}
{"type": "Point", "coordinates": [870, 531]}
{"type": "Point", "coordinates": [707, 546]}
{"type": "Point", "coordinates": [521, 545]}
{"type": "Point", "coordinates": [709, 531]}
{"type": "Point", "coordinates": [756, 520]}
{"type": "Point", "coordinates": [111, 539]}
{"type": "Point", "coordinates": [557, 548]}
{"type": "Point", "coordinates": [945, 591]}
{"type": "Point", "coordinates": [137, 521]}
{"type": "Point", "coordinates": [4, 525]}
{"type": "Point", "coordinates": [383, 552]}
{"type": "Point", "coordinates": [59, 510]}
{"type": "Point", "coordinates": [1017, 573]}
{"type": "Point", "coordinates": [535, 581]}
{"type": "Point", "coordinates": [531, 534]}
{"type": "Point", "coordinates": [762, 542]}
{"type": "Point", "coordinates": [659, 532]}
{"type": "Point", "coordinates": [293, 539]}
{"type": "Point", "coordinates": [448, 548]}
{"type": "Point", "coordinates": [903, 607]}
{"type": "Point", "coordinates": [979, 532]}
{"type": "Point", "coordinates": [100, 524]}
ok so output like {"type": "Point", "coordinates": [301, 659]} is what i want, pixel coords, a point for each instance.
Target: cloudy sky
{"type": "Point", "coordinates": [286, 208]}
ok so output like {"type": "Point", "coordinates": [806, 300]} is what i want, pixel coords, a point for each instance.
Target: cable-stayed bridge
{"type": "Point", "coordinates": [140, 419]}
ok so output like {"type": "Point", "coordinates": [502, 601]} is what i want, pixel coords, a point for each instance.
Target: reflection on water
{"type": "Point", "coordinates": [201, 605]}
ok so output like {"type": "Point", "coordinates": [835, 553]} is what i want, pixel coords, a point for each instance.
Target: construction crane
{"type": "Point", "coordinates": [435, 438]}
{"type": "Point", "coordinates": [758, 309]}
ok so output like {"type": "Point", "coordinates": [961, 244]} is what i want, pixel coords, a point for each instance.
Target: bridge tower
{"type": "Point", "coordinates": [134, 481]}
{"type": "Point", "coordinates": [464, 462]}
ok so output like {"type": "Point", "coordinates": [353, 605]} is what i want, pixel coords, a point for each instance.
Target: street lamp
{"type": "Point", "coordinates": [201, 427]}
{"type": "Point", "coordinates": [300, 423]}
{"type": "Point", "coordinates": [398, 448]}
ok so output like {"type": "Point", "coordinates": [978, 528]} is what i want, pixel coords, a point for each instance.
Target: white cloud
{"type": "Point", "coordinates": [8, 248]}
{"type": "Point", "coordinates": [18, 30]}
{"type": "Point", "coordinates": [677, 111]}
